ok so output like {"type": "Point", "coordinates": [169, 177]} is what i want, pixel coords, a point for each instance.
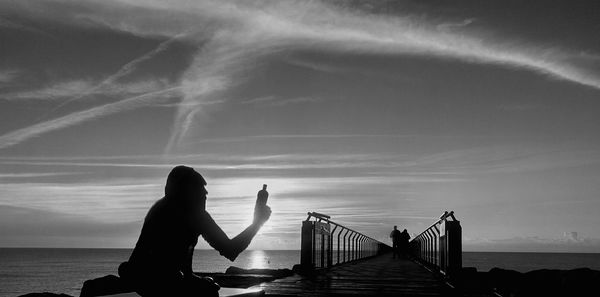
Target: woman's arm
{"type": "Point", "coordinates": [231, 248]}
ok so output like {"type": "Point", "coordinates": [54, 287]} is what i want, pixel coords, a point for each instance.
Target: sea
{"type": "Point", "coordinates": [28, 270]}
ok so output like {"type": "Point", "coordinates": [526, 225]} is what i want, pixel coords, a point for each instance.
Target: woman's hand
{"type": "Point", "coordinates": [262, 213]}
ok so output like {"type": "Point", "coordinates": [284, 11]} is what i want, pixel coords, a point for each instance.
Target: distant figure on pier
{"type": "Point", "coordinates": [161, 263]}
{"type": "Point", "coordinates": [396, 237]}
{"type": "Point", "coordinates": [404, 238]}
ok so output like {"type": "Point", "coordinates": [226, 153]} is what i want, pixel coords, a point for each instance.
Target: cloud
{"type": "Point", "coordinates": [298, 136]}
{"type": "Point", "coordinates": [321, 67]}
{"type": "Point", "coordinates": [29, 175]}
{"type": "Point", "coordinates": [23, 226]}
{"type": "Point", "coordinates": [453, 165]}
{"type": "Point", "coordinates": [125, 70]}
{"type": "Point", "coordinates": [250, 31]}
{"type": "Point", "coordinates": [86, 88]}
{"type": "Point", "coordinates": [104, 200]}
{"type": "Point", "coordinates": [10, 24]}
{"type": "Point", "coordinates": [232, 162]}
{"type": "Point", "coordinates": [274, 101]}
{"type": "Point", "coordinates": [532, 244]}
{"type": "Point", "coordinates": [455, 25]}
{"type": "Point", "coordinates": [235, 35]}
{"type": "Point", "coordinates": [521, 107]}
{"type": "Point", "coordinates": [79, 89]}
{"type": "Point", "coordinates": [75, 118]}
{"type": "Point", "coordinates": [8, 76]}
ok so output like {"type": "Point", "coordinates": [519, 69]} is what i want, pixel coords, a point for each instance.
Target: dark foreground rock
{"type": "Point", "coordinates": [545, 282]}
{"type": "Point", "coordinates": [106, 285]}
{"type": "Point", "coordinates": [272, 272]}
{"type": "Point", "coordinates": [234, 277]}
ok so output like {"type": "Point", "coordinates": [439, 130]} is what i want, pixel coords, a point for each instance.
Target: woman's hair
{"type": "Point", "coordinates": [183, 180]}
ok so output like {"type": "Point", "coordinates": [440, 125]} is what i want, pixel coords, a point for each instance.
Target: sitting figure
{"type": "Point", "coordinates": [161, 263]}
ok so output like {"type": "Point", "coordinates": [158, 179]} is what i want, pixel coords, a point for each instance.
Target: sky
{"type": "Point", "coordinates": [378, 113]}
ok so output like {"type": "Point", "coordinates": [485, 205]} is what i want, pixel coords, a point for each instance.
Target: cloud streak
{"type": "Point", "coordinates": [125, 70]}
{"type": "Point", "coordinates": [274, 101]}
{"type": "Point", "coordinates": [8, 76]}
{"type": "Point", "coordinates": [79, 89]}
{"type": "Point", "coordinates": [234, 36]}
{"type": "Point", "coordinates": [249, 31]}
{"type": "Point", "coordinates": [75, 118]}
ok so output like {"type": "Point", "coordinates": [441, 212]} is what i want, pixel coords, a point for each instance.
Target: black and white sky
{"type": "Point", "coordinates": [378, 113]}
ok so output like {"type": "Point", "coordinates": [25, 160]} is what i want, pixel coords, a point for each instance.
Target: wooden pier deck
{"type": "Point", "coordinates": [377, 276]}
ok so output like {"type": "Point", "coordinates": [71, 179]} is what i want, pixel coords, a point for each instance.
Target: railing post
{"type": "Point", "coordinates": [353, 252]}
{"type": "Point", "coordinates": [440, 245]}
{"type": "Point", "coordinates": [430, 239]}
{"type": "Point", "coordinates": [338, 246]}
{"type": "Point", "coordinates": [357, 249]}
{"type": "Point", "coordinates": [317, 243]}
{"type": "Point", "coordinates": [345, 234]}
{"type": "Point", "coordinates": [363, 247]}
{"type": "Point", "coordinates": [453, 242]}
{"type": "Point", "coordinates": [330, 255]}
{"type": "Point", "coordinates": [351, 246]}
{"type": "Point", "coordinates": [426, 247]}
{"type": "Point", "coordinates": [436, 240]}
{"type": "Point", "coordinates": [322, 254]}
{"type": "Point", "coordinates": [360, 246]}
{"type": "Point", "coordinates": [306, 243]}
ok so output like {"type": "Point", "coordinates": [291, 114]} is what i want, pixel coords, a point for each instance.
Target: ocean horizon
{"type": "Point", "coordinates": [63, 270]}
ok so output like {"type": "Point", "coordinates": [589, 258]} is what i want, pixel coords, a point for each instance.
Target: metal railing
{"type": "Point", "coordinates": [440, 245]}
{"type": "Point", "coordinates": [322, 246]}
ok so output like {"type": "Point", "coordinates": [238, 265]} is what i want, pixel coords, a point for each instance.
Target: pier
{"type": "Point", "coordinates": [339, 261]}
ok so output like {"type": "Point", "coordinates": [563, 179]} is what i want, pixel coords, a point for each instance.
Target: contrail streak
{"type": "Point", "coordinates": [123, 71]}
{"type": "Point", "coordinates": [249, 32]}
{"type": "Point", "coordinates": [72, 119]}
{"type": "Point", "coordinates": [235, 33]}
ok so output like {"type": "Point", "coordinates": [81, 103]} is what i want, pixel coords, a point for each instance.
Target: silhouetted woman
{"type": "Point", "coordinates": [161, 263]}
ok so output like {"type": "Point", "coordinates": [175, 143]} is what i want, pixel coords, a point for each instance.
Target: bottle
{"type": "Point", "coordinates": [262, 197]}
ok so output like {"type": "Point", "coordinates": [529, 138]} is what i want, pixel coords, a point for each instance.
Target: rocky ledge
{"type": "Point", "coordinates": [544, 282]}
{"type": "Point", "coordinates": [234, 277]}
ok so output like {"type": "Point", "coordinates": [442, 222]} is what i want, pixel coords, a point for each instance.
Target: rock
{"type": "Point", "coordinates": [471, 282]}
{"type": "Point", "coordinates": [277, 273]}
{"type": "Point", "coordinates": [106, 285]}
{"type": "Point", "coordinates": [506, 282]}
{"type": "Point", "coordinates": [545, 282]}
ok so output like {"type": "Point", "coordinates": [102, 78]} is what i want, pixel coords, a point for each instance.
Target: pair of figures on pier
{"type": "Point", "coordinates": [400, 242]}
{"type": "Point", "coordinates": [161, 262]}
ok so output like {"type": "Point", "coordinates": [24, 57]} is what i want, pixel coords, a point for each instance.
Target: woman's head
{"type": "Point", "coordinates": [185, 184]}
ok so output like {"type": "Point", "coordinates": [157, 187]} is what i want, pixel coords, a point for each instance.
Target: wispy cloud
{"type": "Point", "coordinates": [115, 200]}
{"type": "Point", "coordinates": [25, 226]}
{"type": "Point", "coordinates": [319, 26]}
{"type": "Point", "coordinates": [8, 76]}
{"type": "Point", "coordinates": [74, 88]}
{"type": "Point", "coordinates": [125, 70]}
{"type": "Point", "coordinates": [274, 101]}
{"type": "Point", "coordinates": [300, 137]}
{"type": "Point", "coordinates": [30, 175]}
{"type": "Point", "coordinates": [455, 25]}
{"type": "Point", "coordinates": [235, 35]}
{"type": "Point", "coordinates": [78, 89]}
{"type": "Point", "coordinates": [75, 118]}
{"type": "Point", "coordinates": [533, 244]}
{"type": "Point", "coordinates": [453, 165]}
{"type": "Point", "coordinates": [7, 23]}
